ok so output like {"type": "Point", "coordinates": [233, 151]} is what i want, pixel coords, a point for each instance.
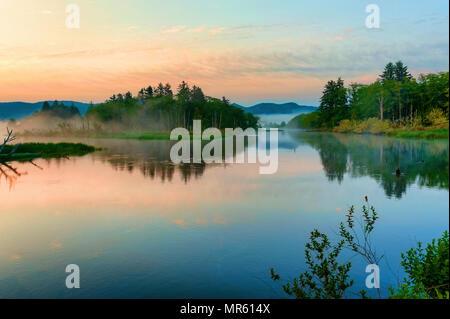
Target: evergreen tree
{"type": "Point", "coordinates": [333, 104]}
{"type": "Point", "coordinates": [128, 97]}
{"type": "Point", "coordinates": [401, 72]}
{"type": "Point", "coordinates": [167, 90]}
{"type": "Point", "coordinates": [183, 92]}
{"type": "Point", "coordinates": [148, 92]}
{"type": "Point", "coordinates": [225, 101]}
{"type": "Point", "coordinates": [159, 90]}
{"type": "Point", "coordinates": [197, 95]}
{"type": "Point", "coordinates": [388, 73]}
{"type": "Point", "coordinates": [141, 95]}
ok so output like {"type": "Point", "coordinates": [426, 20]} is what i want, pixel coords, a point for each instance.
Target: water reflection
{"type": "Point", "coordinates": [10, 174]}
{"type": "Point", "coordinates": [141, 227]}
{"type": "Point", "coordinates": [419, 161]}
{"type": "Point", "coordinates": [153, 168]}
{"type": "Point", "coordinates": [151, 159]}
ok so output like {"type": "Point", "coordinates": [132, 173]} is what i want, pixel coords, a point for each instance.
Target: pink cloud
{"type": "Point", "coordinates": [216, 30]}
{"type": "Point", "coordinates": [175, 29]}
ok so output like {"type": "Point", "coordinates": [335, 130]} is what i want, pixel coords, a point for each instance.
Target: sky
{"type": "Point", "coordinates": [249, 51]}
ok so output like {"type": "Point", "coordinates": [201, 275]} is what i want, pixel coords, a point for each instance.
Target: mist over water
{"type": "Point", "coordinates": [276, 118]}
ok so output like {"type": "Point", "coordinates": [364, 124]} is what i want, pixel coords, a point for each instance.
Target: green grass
{"type": "Point", "coordinates": [139, 136]}
{"type": "Point", "coordinates": [431, 134]}
{"type": "Point", "coordinates": [29, 151]}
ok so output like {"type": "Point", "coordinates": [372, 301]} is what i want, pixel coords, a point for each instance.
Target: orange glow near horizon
{"type": "Point", "coordinates": [254, 56]}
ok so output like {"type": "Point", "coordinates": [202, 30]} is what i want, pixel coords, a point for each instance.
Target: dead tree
{"type": "Point", "coordinates": [8, 139]}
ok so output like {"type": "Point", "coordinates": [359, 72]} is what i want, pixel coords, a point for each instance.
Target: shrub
{"type": "Point", "coordinates": [326, 278]}
{"type": "Point", "coordinates": [345, 126]}
{"type": "Point", "coordinates": [427, 271]}
{"type": "Point", "coordinates": [371, 125]}
{"type": "Point", "coordinates": [437, 119]}
{"type": "Point", "coordinates": [374, 126]}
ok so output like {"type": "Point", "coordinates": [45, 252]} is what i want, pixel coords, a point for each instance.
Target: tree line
{"type": "Point", "coordinates": [160, 109]}
{"type": "Point", "coordinates": [59, 110]}
{"type": "Point", "coordinates": [396, 96]}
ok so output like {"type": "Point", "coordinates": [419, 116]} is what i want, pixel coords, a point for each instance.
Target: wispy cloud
{"type": "Point", "coordinates": [175, 29]}
{"type": "Point", "coordinates": [216, 31]}
{"type": "Point", "coordinates": [196, 30]}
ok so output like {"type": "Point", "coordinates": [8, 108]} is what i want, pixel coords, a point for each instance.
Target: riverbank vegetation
{"type": "Point", "coordinates": [427, 270]}
{"type": "Point", "coordinates": [396, 104]}
{"type": "Point", "coordinates": [138, 136]}
{"type": "Point", "coordinates": [28, 151]}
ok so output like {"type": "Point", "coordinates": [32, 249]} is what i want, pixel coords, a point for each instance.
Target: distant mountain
{"type": "Point", "coordinates": [275, 108]}
{"type": "Point", "coordinates": [19, 110]}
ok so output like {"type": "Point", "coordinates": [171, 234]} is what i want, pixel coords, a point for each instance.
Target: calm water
{"type": "Point", "coordinates": [139, 226]}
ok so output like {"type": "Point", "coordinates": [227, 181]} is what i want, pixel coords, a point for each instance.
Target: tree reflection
{"type": "Point", "coordinates": [420, 161]}
{"type": "Point", "coordinates": [151, 159]}
{"type": "Point", "coordinates": [10, 174]}
{"type": "Point", "coordinates": [153, 168]}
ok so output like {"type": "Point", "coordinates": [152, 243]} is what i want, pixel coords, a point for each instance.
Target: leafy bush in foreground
{"type": "Point", "coordinates": [427, 271]}
{"type": "Point", "coordinates": [326, 278]}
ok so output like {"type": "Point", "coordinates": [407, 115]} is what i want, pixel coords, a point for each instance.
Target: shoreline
{"type": "Point", "coordinates": [437, 134]}
{"type": "Point", "coordinates": [23, 152]}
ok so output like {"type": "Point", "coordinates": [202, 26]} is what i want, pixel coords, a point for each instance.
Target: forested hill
{"type": "Point", "coordinates": [161, 109]}
{"type": "Point", "coordinates": [19, 110]}
{"type": "Point", "coordinates": [277, 108]}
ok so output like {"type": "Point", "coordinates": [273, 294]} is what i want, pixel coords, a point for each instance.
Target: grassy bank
{"type": "Point", "coordinates": [29, 151]}
{"type": "Point", "coordinates": [437, 130]}
{"type": "Point", "coordinates": [378, 127]}
{"type": "Point", "coordinates": [431, 133]}
{"type": "Point", "coordinates": [138, 136]}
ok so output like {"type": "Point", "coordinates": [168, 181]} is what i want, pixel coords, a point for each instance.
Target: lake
{"type": "Point", "coordinates": [139, 226]}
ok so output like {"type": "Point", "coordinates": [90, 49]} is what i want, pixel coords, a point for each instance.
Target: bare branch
{"type": "Point", "coordinates": [8, 139]}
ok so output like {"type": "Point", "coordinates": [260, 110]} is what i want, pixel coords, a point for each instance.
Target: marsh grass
{"type": "Point", "coordinates": [378, 127]}
{"type": "Point", "coordinates": [431, 134]}
{"type": "Point", "coordinates": [138, 136]}
{"type": "Point", "coordinates": [29, 151]}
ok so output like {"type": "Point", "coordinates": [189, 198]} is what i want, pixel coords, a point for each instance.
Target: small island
{"type": "Point", "coordinates": [29, 151]}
